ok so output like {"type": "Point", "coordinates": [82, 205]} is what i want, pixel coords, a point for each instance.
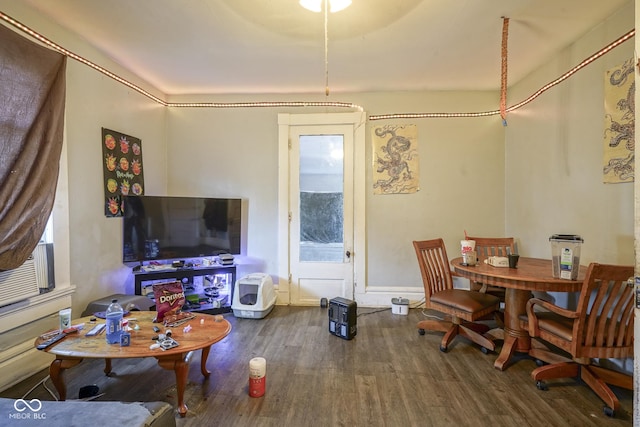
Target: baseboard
{"type": "Point", "coordinates": [382, 297]}
{"type": "Point", "coordinates": [372, 296]}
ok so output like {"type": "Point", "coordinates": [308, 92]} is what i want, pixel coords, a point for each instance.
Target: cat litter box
{"type": "Point", "coordinates": [254, 296]}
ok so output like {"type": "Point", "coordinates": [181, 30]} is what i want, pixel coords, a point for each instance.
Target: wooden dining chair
{"type": "Point", "coordinates": [601, 327]}
{"type": "Point", "coordinates": [492, 246]}
{"type": "Point", "coordinates": [461, 307]}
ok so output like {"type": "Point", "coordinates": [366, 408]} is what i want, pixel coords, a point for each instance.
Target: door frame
{"type": "Point", "coordinates": [357, 120]}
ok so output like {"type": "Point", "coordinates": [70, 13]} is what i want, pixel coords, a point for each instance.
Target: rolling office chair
{"type": "Point", "coordinates": [601, 327]}
{"type": "Point", "coordinates": [463, 307]}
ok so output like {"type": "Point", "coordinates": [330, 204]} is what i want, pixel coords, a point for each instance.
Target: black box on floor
{"type": "Point", "coordinates": [343, 318]}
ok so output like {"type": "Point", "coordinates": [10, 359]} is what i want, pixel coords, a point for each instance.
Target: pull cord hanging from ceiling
{"type": "Point", "coordinates": [326, 47]}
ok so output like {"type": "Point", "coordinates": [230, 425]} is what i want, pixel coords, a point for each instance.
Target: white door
{"type": "Point", "coordinates": [321, 213]}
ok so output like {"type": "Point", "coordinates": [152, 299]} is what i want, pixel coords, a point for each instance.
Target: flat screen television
{"type": "Point", "coordinates": [164, 228]}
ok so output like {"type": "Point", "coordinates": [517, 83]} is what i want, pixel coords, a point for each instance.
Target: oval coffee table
{"type": "Point", "coordinates": [206, 330]}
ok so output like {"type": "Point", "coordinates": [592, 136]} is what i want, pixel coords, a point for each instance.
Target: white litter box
{"type": "Point", "coordinates": [253, 296]}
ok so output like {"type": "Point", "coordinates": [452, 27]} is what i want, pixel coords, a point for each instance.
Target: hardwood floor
{"type": "Point", "coordinates": [388, 375]}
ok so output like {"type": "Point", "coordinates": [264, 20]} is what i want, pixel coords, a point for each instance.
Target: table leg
{"type": "Point", "coordinates": [203, 362]}
{"type": "Point", "coordinates": [107, 366]}
{"type": "Point", "coordinates": [179, 363]}
{"type": "Point", "coordinates": [56, 370]}
{"type": "Point", "coordinates": [515, 338]}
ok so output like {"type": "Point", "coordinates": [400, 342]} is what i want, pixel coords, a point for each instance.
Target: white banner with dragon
{"type": "Point", "coordinates": [395, 159]}
{"type": "Point", "coordinates": [619, 124]}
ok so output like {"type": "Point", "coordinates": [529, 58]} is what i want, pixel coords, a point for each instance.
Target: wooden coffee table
{"type": "Point", "coordinates": [205, 331]}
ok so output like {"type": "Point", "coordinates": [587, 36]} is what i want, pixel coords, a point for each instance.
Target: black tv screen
{"type": "Point", "coordinates": [164, 228]}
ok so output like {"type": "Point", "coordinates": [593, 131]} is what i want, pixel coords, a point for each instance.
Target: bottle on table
{"type": "Point", "coordinates": [114, 316]}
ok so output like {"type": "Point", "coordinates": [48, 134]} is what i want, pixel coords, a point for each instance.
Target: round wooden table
{"type": "Point", "coordinates": [206, 330]}
{"type": "Point", "coordinates": [532, 274]}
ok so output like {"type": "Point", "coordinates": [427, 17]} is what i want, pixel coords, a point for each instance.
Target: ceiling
{"type": "Point", "coordinates": [275, 46]}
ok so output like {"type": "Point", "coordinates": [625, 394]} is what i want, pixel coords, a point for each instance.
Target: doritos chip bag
{"type": "Point", "coordinates": [169, 299]}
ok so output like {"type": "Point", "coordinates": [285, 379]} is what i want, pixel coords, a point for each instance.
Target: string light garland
{"type": "Point", "coordinates": [265, 104]}
{"type": "Point", "coordinates": [503, 71]}
{"type": "Point", "coordinates": [276, 104]}
{"type": "Point", "coordinates": [79, 58]}
{"type": "Point", "coordinates": [574, 70]}
{"type": "Point", "coordinates": [520, 104]}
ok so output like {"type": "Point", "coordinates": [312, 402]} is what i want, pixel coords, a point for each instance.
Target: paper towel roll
{"type": "Point", "coordinates": [257, 376]}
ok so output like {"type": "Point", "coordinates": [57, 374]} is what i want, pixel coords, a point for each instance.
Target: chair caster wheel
{"type": "Point", "coordinates": [421, 331]}
{"type": "Point", "coordinates": [485, 350]}
{"type": "Point", "coordinates": [443, 349]}
{"type": "Point", "coordinates": [608, 411]}
{"type": "Point", "coordinates": [539, 362]}
{"type": "Point", "coordinates": [541, 386]}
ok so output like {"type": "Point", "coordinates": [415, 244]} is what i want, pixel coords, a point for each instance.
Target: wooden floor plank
{"type": "Point", "coordinates": [388, 375]}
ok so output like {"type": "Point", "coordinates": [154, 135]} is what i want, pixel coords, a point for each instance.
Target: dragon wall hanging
{"type": "Point", "coordinates": [619, 124]}
{"type": "Point", "coordinates": [395, 159]}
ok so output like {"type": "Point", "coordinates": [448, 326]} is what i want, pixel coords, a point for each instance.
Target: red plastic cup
{"type": "Point", "coordinates": [257, 376]}
{"type": "Point", "coordinates": [257, 386]}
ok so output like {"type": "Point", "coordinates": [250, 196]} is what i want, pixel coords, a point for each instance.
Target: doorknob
{"type": "Point", "coordinates": [348, 254]}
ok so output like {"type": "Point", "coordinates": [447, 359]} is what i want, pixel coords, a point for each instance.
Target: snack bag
{"type": "Point", "coordinates": [169, 299]}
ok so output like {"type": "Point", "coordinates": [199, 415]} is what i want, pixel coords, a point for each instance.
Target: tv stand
{"type": "Point", "coordinates": [208, 289]}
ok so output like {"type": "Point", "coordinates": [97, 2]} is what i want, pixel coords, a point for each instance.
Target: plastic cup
{"type": "Point", "coordinates": [469, 258]}
{"type": "Point", "coordinates": [513, 260]}
{"type": "Point", "coordinates": [467, 245]}
{"type": "Point", "coordinates": [65, 318]}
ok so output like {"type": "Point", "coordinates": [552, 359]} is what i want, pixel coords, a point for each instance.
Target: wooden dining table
{"type": "Point", "coordinates": [531, 274]}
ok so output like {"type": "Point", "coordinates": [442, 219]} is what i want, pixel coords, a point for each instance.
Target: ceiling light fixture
{"type": "Point", "coordinates": [334, 5]}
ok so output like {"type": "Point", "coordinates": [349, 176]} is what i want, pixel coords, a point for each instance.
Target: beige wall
{"type": "Point", "coordinates": [554, 155]}
{"type": "Point", "coordinates": [234, 153]}
{"type": "Point", "coordinates": [93, 102]}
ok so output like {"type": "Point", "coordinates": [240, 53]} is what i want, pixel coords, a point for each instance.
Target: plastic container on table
{"type": "Point", "coordinates": [565, 255]}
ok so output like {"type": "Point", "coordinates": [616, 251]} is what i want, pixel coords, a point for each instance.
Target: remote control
{"type": "Point", "coordinates": [58, 337]}
{"type": "Point", "coordinates": [96, 330]}
{"type": "Point", "coordinates": [51, 341]}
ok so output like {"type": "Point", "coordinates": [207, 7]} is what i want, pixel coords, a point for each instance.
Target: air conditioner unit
{"type": "Point", "coordinates": [43, 256]}
{"type": "Point", "coordinates": [20, 283]}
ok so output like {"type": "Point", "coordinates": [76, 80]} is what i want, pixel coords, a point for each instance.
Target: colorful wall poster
{"type": "Point", "coordinates": [122, 166]}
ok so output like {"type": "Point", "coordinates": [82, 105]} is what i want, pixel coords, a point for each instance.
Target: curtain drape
{"type": "Point", "coordinates": [32, 100]}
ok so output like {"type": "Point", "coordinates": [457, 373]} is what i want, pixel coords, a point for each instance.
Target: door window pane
{"type": "Point", "coordinates": [321, 198]}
